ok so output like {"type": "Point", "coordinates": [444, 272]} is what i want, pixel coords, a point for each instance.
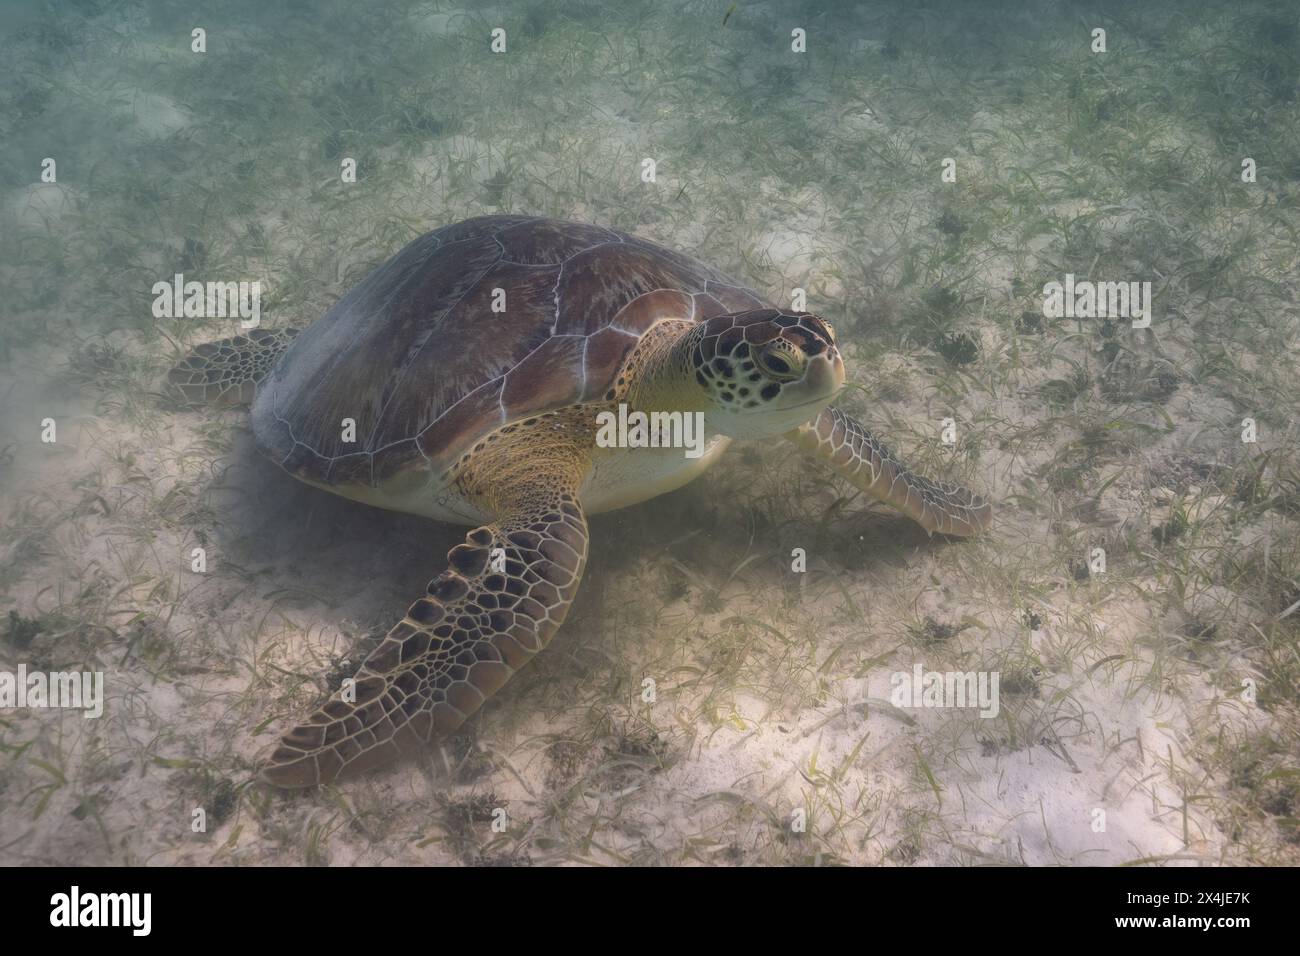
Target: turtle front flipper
{"type": "Point", "coordinates": [227, 372]}
{"type": "Point", "coordinates": [505, 595]}
{"type": "Point", "coordinates": [860, 458]}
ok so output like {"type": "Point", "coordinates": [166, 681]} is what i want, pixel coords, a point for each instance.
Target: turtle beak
{"type": "Point", "coordinates": [825, 374]}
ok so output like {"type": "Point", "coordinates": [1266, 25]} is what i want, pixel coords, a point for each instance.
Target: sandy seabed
{"type": "Point", "coordinates": [1147, 713]}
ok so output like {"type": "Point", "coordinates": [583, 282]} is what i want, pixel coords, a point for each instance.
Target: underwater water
{"type": "Point", "coordinates": [1061, 266]}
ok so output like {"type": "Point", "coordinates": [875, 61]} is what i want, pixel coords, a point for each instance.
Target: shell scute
{"type": "Point", "coordinates": [417, 361]}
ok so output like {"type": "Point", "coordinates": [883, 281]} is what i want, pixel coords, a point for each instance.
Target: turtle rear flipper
{"type": "Point", "coordinates": [504, 596]}
{"type": "Point", "coordinates": [858, 457]}
{"type": "Point", "coordinates": [226, 372]}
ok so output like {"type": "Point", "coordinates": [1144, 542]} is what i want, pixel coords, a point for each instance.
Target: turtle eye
{"type": "Point", "coordinates": [781, 363]}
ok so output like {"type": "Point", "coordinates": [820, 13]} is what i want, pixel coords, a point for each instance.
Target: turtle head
{"type": "Point", "coordinates": [766, 372]}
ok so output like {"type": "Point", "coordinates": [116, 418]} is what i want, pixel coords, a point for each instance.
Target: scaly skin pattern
{"type": "Point", "coordinates": [508, 588]}
{"type": "Point", "coordinates": [505, 594]}
{"type": "Point", "coordinates": [656, 375]}
{"type": "Point", "coordinates": [227, 372]}
{"type": "Point", "coordinates": [481, 620]}
{"type": "Point", "coordinates": [861, 459]}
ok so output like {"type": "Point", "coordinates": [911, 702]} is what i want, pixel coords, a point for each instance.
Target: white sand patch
{"type": "Point", "coordinates": [158, 115]}
{"type": "Point", "coordinates": [41, 205]}
{"type": "Point", "coordinates": [204, 670]}
{"type": "Point", "coordinates": [794, 251]}
{"type": "Point", "coordinates": [157, 51]}
{"type": "Point", "coordinates": [437, 23]}
{"type": "Point", "coordinates": [863, 120]}
{"type": "Point", "coordinates": [1032, 806]}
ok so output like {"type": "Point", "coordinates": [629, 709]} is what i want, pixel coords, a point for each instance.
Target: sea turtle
{"type": "Point", "coordinates": [465, 380]}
